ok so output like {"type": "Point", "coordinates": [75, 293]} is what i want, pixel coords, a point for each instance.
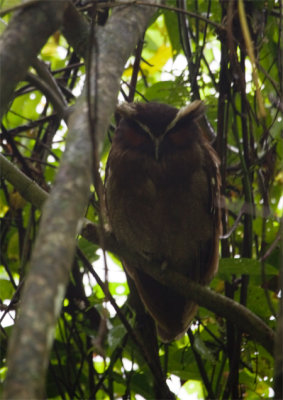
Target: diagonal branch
{"type": "Point", "coordinates": [51, 262]}
{"type": "Point", "coordinates": [239, 315]}
{"type": "Point", "coordinates": [22, 40]}
{"type": "Point", "coordinates": [227, 308]}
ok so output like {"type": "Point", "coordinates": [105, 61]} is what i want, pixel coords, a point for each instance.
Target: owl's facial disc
{"type": "Point", "coordinates": [155, 139]}
{"type": "Point", "coordinates": [158, 129]}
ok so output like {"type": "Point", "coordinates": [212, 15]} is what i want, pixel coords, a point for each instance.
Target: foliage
{"type": "Point", "coordinates": [183, 57]}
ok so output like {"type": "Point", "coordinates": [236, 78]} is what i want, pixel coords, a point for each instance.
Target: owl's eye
{"type": "Point", "coordinates": [132, 133]}
{"type": "Point", "coordinates": [180, 137]}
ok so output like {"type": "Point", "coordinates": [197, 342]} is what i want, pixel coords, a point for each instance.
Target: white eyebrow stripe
{"type": "Point", "coordinates": [156, 140]}
{"type": "Point", "coordinates": [143, 126]}
{"type": "Point", "coordinates": [190, 108]}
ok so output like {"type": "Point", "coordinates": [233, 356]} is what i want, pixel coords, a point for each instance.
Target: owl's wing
{"type": "Point", "coordinates": [172, 312]}
{"type": "Point", "coordinates": [209, 249]}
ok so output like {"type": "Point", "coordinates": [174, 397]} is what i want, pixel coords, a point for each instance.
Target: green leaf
{"type": "Point", "coordinates": [140, 385]}
{"type": "Point", "coordinates": [116, 334]}
{"type": "Point", "coordinates": [181, 362]}
{"type": "Point", "coordinates": [167, 92]}
{"type": "Point", "coordinates": [194, 389]}
{"type": "Point", "coordinates": [118, 289]}
{"type": "Point", "coordinates": [202, 349]}
{"type": "Point", "coordinates": [13, 247]}
{"type": "Point", "coordinates": [171, 22]}
{"type": "Point", "coordinates": [257, 302]}
{"type": "Point", "coordinates": [89, 249]}
{"type": "Point", "coordinates": [238, 266]}
{"type": "Point", "coordinates": [7, 289]}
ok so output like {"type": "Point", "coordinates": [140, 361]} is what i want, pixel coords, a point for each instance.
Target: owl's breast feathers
{"type": "Point", "coordinates": [168, 209]}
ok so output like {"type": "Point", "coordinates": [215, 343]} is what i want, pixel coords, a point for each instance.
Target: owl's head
{"type": "Point", "coordinates": [157, 128]}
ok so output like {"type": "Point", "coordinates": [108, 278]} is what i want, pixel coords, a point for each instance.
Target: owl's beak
{"type": "Point", "coordinates": [157, 142]}
{"type": "Point", "coordinates": [156, 150]}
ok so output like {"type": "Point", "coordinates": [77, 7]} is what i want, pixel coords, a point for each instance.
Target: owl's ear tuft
{"type": "Point", "coordinates": [125, 110]}
{"type": "Point", "coordinates": [194, 111]}
{"type": "Point", "coordinates": [189, 113]}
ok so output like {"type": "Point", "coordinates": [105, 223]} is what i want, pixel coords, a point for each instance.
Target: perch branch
{"type": "Point", "coordinates": [212, 301]}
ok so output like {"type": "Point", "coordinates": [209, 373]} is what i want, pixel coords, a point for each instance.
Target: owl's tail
{"type": "Point", "coordinates": [167, 334]}
{"type": "Point", "coordinates": [171, 312]}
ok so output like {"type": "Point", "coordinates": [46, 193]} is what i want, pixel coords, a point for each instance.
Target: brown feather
{"type": "Point", "coordinates": [162, 193]}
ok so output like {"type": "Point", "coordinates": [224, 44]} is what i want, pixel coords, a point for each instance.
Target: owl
{"type": "Point", "coordinates": [162, 195]}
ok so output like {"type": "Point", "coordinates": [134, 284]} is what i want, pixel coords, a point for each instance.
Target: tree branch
{"type": "Point", "coordinates": [53, 253]}
{"type": "Point", "coordinates": [21, 41]}
{"type": "Point", "coordinates": [239, 315]}
{"type": "Point", "coordinates": [212, 301]}
{"type": "Point", "coordinates": [28, 188]}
